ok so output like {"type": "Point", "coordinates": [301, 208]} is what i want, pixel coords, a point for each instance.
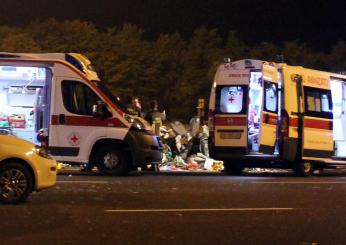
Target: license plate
{"type": "Point", "coordinates": [230, 135]}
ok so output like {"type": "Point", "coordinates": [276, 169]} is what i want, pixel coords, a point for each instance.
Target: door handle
{"type": "Point", "coordinates": [61, 118]}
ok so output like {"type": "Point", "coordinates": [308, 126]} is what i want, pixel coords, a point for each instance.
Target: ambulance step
{"type": "Point", "coordinates": [256, 153]}
{"type": "Point", "coordinates": [261, 155]}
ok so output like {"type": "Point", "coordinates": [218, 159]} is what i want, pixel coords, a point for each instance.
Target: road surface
{"type": "Point", "coordinates": [266, 208]}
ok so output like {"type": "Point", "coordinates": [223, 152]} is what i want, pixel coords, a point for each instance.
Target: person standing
{"type": "Point", "coordinates": [154, 113]}
{"type": "Point", "coordinates": [155, 117]}
{"type": "Point", "coordinates": [135, 108]}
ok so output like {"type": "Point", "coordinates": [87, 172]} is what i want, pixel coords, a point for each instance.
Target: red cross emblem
{"type": "Point", "coordinates": [231, 99]}
{"type": "Point", "coordinates": [74, 139]}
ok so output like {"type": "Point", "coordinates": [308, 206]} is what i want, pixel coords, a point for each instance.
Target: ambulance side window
{"type": "Point", "coordinates": [270, 96]}
{"type": "Point", "coordinates": [78, 98]}
{"type": "Point", "coordinates": [318, 102]}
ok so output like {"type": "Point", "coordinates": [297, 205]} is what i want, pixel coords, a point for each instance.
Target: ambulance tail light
{"type": "Point", "coordinates": [284, 124]}
{"type": "Point", "coordinates": [211, 124]}
{"type": "Point", "coordinates": [211, 120]}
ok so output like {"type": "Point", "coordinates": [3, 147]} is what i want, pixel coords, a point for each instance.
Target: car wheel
{"type": "Point", "coordinates": [16, 183]}
{"type": "Point", "coordinates": [111, 161]}
{"type": "Point", "coordinates": [304, 168]}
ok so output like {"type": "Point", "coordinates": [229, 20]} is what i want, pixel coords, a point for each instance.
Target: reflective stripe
{"type": "Point", "coordinates": [230, 121]}
{"type": "Point", "coordinates": [88, 121]}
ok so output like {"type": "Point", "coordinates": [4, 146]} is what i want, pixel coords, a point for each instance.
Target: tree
{"type": "Point", "coordinates": [129, 62]}
{"type": "Point", "coordinates": [297, 53]}
{"type": "Point", "coordinates": [200, 60]}
{"type": "Point", "coordinates": [265, 51]}
{"type": "Point", "coordinates": [19, 42]}
{"type": "Point", "coordinates": [171, 69]}
{"type": "Point", "coordinates": [67, 36]}
{"type": "Point", "coordinates": [168, 51]}
{"type": "Point", "coordinates": [235, 49]}
{"type": "Point", "coordinates": [336, 58]}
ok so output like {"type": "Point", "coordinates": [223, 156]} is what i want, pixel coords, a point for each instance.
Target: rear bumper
{"type": "Point", "coordinates": [239, 154]}
{"type": "Point", "coordinates": [228, 153]}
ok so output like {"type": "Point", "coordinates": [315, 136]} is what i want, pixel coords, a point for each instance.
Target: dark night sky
{"type": "Point", "coordinates": [319, 23]}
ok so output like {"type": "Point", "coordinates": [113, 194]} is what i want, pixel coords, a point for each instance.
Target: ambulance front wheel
{"type": "Point", "coordinates": [303, 168]}
{"type": "Point", "coordinates": [233, 168]}
{"type": "Point", "coordinates": [111, 161]}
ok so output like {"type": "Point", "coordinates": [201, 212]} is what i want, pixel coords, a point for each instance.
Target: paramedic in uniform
{"type": "Point", "coordinates": [135, 108]}
{"type": "Point", "coordinates": [155, 113]}
{"type": "Point", "coordinates": [155, 117]}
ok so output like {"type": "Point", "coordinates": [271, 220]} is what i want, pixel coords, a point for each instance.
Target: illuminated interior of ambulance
{"type": "Point", "coordinates": [338, 89]}
{"type": "Point", "coordinates": [24, 102]}
{"type": "Point", "coordinates": [254, 110]}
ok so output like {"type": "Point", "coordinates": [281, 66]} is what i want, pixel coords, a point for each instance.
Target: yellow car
{"type": "Point", "coordinates": [24, 167]}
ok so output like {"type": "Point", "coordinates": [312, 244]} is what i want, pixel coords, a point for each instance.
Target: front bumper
{"type": "Point", "coordinates": [45, 172]}
{"type": "Point", "coordinates": [145, 147]}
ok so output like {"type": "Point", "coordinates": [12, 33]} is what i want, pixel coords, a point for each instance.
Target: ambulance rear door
{"type": "Point", "coordinates": [338, 87]}
{"type": "Point", "coordinates": [270, 107]}
{"type": "Point", "coordinates": [230, 118]}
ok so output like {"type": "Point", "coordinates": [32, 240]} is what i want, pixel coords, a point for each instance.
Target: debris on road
{"type": "Point", "coordinates": [187, 150]}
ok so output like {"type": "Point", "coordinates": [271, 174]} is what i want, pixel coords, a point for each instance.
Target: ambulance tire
{"type": "Point", "coordinates": [16, 183]}
{"type": "Point", "coordinates": [232, 168]}
{"type": "Point", "coordinates": [303, 168]}
{"type": "Point", "coordinates": [111, 161]}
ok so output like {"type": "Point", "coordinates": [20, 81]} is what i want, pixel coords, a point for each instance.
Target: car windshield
{"type": "Point", "coordinates": [115, 99]}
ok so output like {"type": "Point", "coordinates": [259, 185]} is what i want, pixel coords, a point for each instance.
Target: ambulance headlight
{"type": "Point", "coordinates": [136, 124]}
{"type": "Point", "coordinates": [42, 152]}
{"type": "Point", "coordinates": [129, 118]}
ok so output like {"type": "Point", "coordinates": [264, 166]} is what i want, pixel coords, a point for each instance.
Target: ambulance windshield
{"type": "Point", "coordinates": [115, 99]}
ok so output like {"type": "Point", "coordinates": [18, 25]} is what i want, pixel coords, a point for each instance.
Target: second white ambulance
{"type": "Point", "coordinates": [275, 115]}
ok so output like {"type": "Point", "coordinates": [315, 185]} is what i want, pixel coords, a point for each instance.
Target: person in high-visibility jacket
{"type": "Point", "coordinates": [155, 117]}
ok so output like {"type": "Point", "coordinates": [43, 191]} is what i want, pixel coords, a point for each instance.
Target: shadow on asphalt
{"type": "Point", "coordinates": [290, 173]}
{"type": "Point", "coordinates": [246, 173]}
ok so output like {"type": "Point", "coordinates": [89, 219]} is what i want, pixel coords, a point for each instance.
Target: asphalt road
{"type": "Point", "coordinates": [267, 208]}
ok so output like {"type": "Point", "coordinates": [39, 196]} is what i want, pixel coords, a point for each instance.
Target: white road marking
{"type": "Point", "coordinates": [196, 210]}
{"type": "Point", "coordinates": [82, 182]}
{"type": "Point", "coordinates": [298, 182]}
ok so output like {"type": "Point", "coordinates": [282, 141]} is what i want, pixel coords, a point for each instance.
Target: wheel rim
{"type": "Point", "coordinates": [307, 167]}
{"type": "Point", "coordinates": [13, 184]}
{"type": "Point", "coordinates": [111, 160]}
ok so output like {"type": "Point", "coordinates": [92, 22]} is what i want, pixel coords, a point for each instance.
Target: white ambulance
{"type": "Point", "coordinates": [275, 115]}
{"type": "Point", "coordinates": [51, 102]}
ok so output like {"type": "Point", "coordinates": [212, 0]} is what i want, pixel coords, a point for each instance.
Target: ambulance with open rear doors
{"type": "Point", "coordinates": [266, 114]}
